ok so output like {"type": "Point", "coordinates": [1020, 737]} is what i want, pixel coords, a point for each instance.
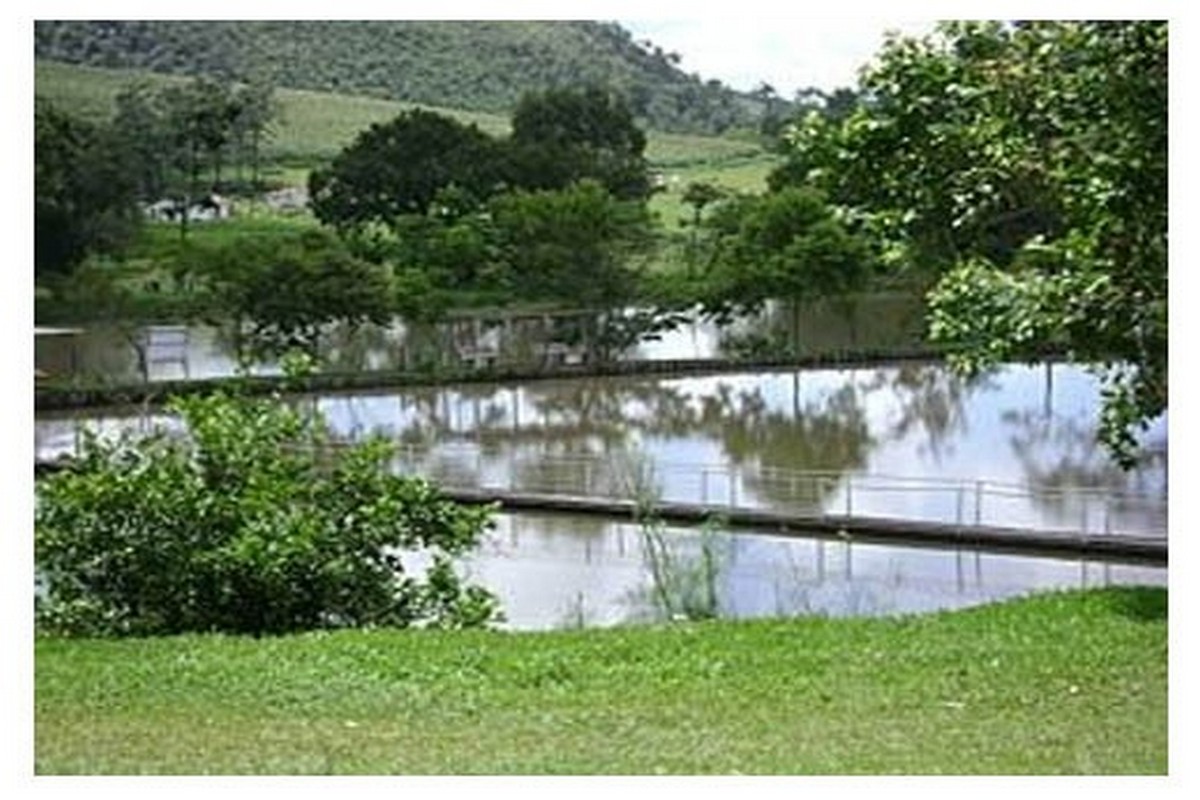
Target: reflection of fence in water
{"type": "Point", "coordinates": [965, 503]}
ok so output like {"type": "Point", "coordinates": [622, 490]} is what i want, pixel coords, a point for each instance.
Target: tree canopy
{"type": "Point", "coordinates": [84, 192]}
{"type": "Point", "coordinates": [559, 137]}
{"type": "Point", "coordinates": [1022, 170]}
{"type": "Point", "coordinates": [400, 167]}
{"type": "Point", "coordinates": [563, 135]}
{"type": "Point", "coordinates": [784, 245]}
{"type": "Point", "coordinates": [287, 290]}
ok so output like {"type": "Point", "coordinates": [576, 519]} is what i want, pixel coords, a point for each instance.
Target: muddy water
{"type": "Point", "coordinates": [735, 433]}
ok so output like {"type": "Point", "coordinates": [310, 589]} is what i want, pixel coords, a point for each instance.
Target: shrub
{"type": "Point", "coordinates": [254, 522]}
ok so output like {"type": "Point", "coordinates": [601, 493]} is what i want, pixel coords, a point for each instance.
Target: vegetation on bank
{"type": "Point", "coordinates": [1070, 683]}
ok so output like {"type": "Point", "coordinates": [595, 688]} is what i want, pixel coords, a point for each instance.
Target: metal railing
{"type": "Point", "coordinates": [623, 475]}
{"type": "Point", "coordinates": [965, 503]}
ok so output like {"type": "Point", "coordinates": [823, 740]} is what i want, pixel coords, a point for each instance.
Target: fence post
{"type": "Point", "coordinates": [849, 496]}
{"type": "Point", "coordinates": [704, 486]}
{"type": "Point", "coordinates": [958, 516]}
{"type": "Point", "coordinates": [978, 503]}
{"type": "Point", "coordinates": [732, 488]}
{"type": "Point", "coordinates": [1107, 521]}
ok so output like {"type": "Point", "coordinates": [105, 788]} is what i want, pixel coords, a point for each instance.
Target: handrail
{"type": "Point", "coordinates": [967, 502]}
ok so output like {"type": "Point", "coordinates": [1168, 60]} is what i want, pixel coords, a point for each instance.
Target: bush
{"type": "Point", "coordinates": [254, 522]}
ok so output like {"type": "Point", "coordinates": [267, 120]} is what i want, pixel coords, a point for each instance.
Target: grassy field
{"type": "Point", "coordinates": [313, 126]}
{"type": "Point", "coordinates": [1060, 683]}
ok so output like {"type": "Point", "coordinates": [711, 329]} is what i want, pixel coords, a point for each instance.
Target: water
{"type": "Point", "coordinates": [967, 451]}
{"type": "Point", "coordinates": [1016, 426]}
{"type": "Point", "coordinates": [562, 571]}
{"type": "Point", "coordinates": [111, 353]}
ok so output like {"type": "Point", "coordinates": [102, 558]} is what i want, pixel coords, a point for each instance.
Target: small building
{"type": "Point", "coordinates": [208, 208]}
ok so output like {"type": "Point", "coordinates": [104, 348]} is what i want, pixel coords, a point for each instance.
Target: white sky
{"type": "Point", "coordinates": [789, 53]}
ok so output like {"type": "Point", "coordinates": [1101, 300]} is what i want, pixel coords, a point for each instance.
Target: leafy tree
{"type": "Point", "coordinates": [199, 116]}
{"type": "Point", "coordinates": [399, 168]}
{"type": "Point", "coordinates": [140, 123]}
{"type": "Point", "coordinates": [84, 191]}
{"type": "Point", "coordinates": [561, 136]}
{"type": "Point", "coordinates": [786, 245]}
{"type": "Point", "coordinates": [287, 290]}
{"type": "Point", "coordinates": [578, 246]}
{"type": "Point", "coordinates": [1024, 168]}
{"type": "Point", "coordinates": [699, 195]}
{"type": "Point", "coordinates": [252, 523]}
{"type": "Point", "coordinates": [254, 112]}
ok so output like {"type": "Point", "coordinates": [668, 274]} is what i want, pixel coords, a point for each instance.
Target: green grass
{"type": "Point", "coordinates": [738, 174]}
{"type": "Point", "coordinates": [314, 126]}
{"type": "Point", "coordinates": [1060, 683]}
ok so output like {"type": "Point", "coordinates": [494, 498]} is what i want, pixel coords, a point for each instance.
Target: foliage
{"type": "Point", "coordinates": [561, 136]}
{"type": "Point", "coordinates": [253, 523]}
{"type": "Point", "coordinates": [787, 244]}
{"type": "Point", "coordinates": [84, 194]}
{"type": "Point", "coordinates": [176, 131]}
{"type": "Point", "coordinates": [288, 288]}
{"type": "Point", "coordinates": [1024, 168]}
{"type": "Point", "coordinates": [478, 65]}
{"type": "Point", "coordinates": [401, 167]}
{"type": "Point", "coordinates": [579, 244]}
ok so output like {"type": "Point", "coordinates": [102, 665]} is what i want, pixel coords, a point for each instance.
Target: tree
{"type": "Point", "coordinates": [1024, 169]}
{"type": "Point", "coordinates": [698, 195]}
{"type": "Point", "coordinates": [84, 191]}
{"type": "Point", "coordinates": [288, 290]}
{"type": "Point", "coordinates": [783, 245]}
{"type": "Point", "coordinates": [400, 167]}
{"type": "Point", "coordinates": [141, 125]}
{"type": "Point", "coordinates": [578, 246]}
{"type": "Point", "coordinates": [254, 113]}
{"type": "Point", "coordinates": [561, 136]}
{"type": "Point", "coordinates": [255, 522]}
{"type": "Point", "coordinates": [200, 118]}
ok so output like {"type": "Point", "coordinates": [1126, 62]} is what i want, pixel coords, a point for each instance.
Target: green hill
{"type": "Point", "coordinates": [313, 126]}
{"type": "Point", "coordinates": [478, 66]}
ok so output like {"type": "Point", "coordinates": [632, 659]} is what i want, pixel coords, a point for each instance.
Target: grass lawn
{"type": "Point", "coordinates": [1059, 683]}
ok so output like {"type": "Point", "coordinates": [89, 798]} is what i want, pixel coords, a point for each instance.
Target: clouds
{"type": "Point", "coordinates": [787, 52]}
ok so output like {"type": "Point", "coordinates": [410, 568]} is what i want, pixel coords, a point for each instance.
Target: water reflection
{"type": "Point", "coordinates": [559, 571]}
{"type": "Point", "coordinates": [916, 421]}
{"type": "Point", "coordinates": [724, 437]}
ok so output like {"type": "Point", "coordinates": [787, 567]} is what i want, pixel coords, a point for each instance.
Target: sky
{"type": "Point", "coordinates": [789, 53]}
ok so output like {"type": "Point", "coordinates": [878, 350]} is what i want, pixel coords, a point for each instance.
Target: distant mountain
{"type": "Point", "coordinates": [483, 65]}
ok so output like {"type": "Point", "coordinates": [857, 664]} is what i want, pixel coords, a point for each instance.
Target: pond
{"type": "Point", "coordinates": [1017, 426]}
{"type": "Point", "coordinates": [111, 353]}
{"type": "Point", "coordinates": [555, 571]}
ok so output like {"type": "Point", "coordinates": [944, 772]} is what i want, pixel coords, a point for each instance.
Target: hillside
{"type": "Point", "coordinates": [314, 126]}
{"type": "Point", "coordinates": [478, 66]}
